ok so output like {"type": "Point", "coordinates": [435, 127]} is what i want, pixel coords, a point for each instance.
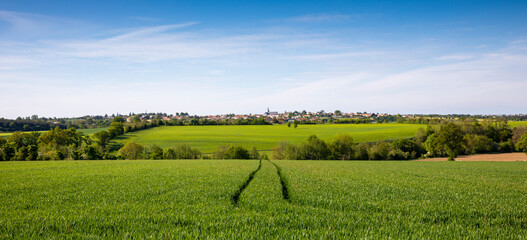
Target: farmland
{"type": "Point", "coordinates": [326, 199]}
{"type": "Point", "coordinates": [264, 137]}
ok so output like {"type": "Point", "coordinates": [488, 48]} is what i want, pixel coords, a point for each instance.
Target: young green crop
{"type": "Point", "coordinates": [439, 200]}
{"type": "Point", "coordinates": [327, 200]}
{"type": "Point", "coordinates": [118, 199]}
{"type": "Point", "coordinates": [264, 137]}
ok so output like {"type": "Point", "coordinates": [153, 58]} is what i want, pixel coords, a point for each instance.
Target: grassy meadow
{"type": "Point", "coordinates": [264, 137]}
{"type": "Point", "coordinates": [326, 199]}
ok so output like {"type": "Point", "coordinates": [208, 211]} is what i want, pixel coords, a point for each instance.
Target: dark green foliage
{"type": "Point", "coordinates": [20, 146]}
{"type": "Point", "coordinates": [478, 144]}
{"type": "Point", "coordinates": [237, 152]}
{"type": "Point", "coordinates": [451, 138]}
{"type": "Point", "coordinates": [517, 133]}
{"type": "Point", "coordinates": [102, 139]}
{"type": "Point", "coordinates": [91, 152]}
{"type": "Point", "coordinates": [433, 146]}
{"type": "Point", "coordinates": [522, 144]}
{"type": "Point", "coordinates": [379, 151]}
{"type": "Point", "coordinates": [408, 149]}
{"type": "Point", "coordinates": [361, 151]}
{"type": "Point", "coordinates": [342, 147]}
{"type": "Point", "coordinates": [507, 146]}
{"type": "Point", "coordinates": [184, 152]}
{"type": "Point", "coordinates": [499, 131]}
{"type": "Point", "coordinates": [132, 151]}
{"type": "Point", "coordinates": [254, 153]}
{"type": "Point", "coordinates": [156, 152]}
{"type": "Point", "coordinates": [116, 129]}
{"type": "Point", "coordinates": [232, 152]}
{"type": "Point", "coordinates": [314, 149]}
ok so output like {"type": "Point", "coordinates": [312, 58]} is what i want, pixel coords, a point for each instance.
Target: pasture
{"type": "Point", "coordinates": [326, 199]}
{"type": "Point", "coordinates": [264, 137]}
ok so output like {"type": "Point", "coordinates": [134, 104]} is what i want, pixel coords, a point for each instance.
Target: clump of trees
{"type": "Point", "coordinates": [237, 152]}
{"type": "Point", "coordinates": [446, 139]}
{"type": "Point", "coordinates": [133, 150]}
{"type": "Point", "coordinates": [342, 147]}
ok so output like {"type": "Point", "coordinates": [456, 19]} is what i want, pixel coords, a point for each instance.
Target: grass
{"type": "Point", "coordinates": [88, 131]}
{"type": "Point", "coordinates": [208, 138]}
{"type": "Point", "coordinates": [518, 123]}
{"type": "Point", "coordinates": [327, 200]}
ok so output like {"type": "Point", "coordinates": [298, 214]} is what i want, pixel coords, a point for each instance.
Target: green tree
{"type": "Point", "coordinates": [295, 123]}
{"type": "Point", "coordinates": [237, 152]}
{"type": "Point", "coordinates": [522, 144]}
{"type": "Point", "coordinates": [451, 138]}
{"type": "Point", "coordinates": [254, 153]}
{"type": "Point", "coordinates": [342, 147]}
{"type": "Point", "coordinates": [102, 139]}
{"type": "Point", "coordinates": [169, 153]}
{"type": "Point", "coordinates": [156, 152]}
{"type": "Point", "coordinates": [132, 150]}
{"type": "Point", "coordinates": [91, 152]}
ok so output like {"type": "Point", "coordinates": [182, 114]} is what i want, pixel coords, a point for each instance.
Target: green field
{"type": "Point", "coordinates": [85, 131]}
{"type": "Point", "coordinates": [520, 123]}
{"type": "Point", "coordinates": [264, 137]}
{"type": "Point", "coordinates": [326, 200]}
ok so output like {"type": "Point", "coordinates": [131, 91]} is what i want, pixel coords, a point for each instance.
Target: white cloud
{"type": "Point", "coordinates": [183, 67]}
{"type": "Point", "coordinates": [455, 57]}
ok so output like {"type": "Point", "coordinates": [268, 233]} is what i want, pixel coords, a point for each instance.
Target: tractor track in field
{"type": "Point", "coordinates": [283, 182]}
{"type": "Point", "coordinates": [236, 196]}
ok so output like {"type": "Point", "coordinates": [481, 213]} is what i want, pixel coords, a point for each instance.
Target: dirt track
{"type": "Point", "coordinates": [498, 157]}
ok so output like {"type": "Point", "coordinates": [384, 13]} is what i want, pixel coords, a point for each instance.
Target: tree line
{"type": "Point", "coordinates": [446, 139]}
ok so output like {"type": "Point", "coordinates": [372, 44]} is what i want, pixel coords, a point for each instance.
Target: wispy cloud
{"type": "Point", "coordinates": [455, 57]}
{"type": "Point", "coordinates": [188, 67]}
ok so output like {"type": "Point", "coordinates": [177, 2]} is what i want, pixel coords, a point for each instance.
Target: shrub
{"type": "Point", "coordinates": [132, 150]}
{"type": "Point", "coordinates": [379, 151]}
{"type": "Point", "coordinates": [473, 144]}
{"type": "Point", "coordinates": [232, 152]}
{"type": "Point", "coordinates": [410, 149]}
{"type": "Point", "coordinates": [361, 151]}
{"type": "Point", "coordinates": [254, 153]}
{"type": "Point", "coordinates": [342, 147]}
{"type": "Point", "coordinates": [522, 144]}
{"type": "Point", "coordinates": [156, 152]}
{"type": "Point", "coordinates": [517, 133]}
{"type": "Point", "coordinates": [507, 146]}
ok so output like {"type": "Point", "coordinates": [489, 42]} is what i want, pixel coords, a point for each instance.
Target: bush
{"type": "Point", "coordinates": [408, 149]}
{"type": "Point", "coordinates": [342, 147]}
{"type": "Point", "coordinates": [232, 152]}
{"type": "Point", "coordinates": [181, 152]}
{"type": "Point", "coordinates": [379, 151]}
{"type": "Point", "coordinates": [522, 144]}
{"type": "Point", "coordinates": [506, 147]}
{"type": "Point", "coordinates": [361, 151]}
{"type": "Point", "coordinates": [132, 150]}
{"type": "Point", "coordinates": [517, 133]}
{"type": "Point", "coordinates": [155, 152]}
{"type": "Point", "coordinates": [473, 144]}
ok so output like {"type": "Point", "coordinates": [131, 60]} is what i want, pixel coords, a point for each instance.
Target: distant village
{"type": "Point", "coordinates": [269, 116]}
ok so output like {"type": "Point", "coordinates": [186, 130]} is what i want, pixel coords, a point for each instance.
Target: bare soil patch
{"type": "Point", "coordinates": [497, 157]}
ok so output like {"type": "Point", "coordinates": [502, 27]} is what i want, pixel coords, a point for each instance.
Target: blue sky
{"type": "Point", "coordinates": [73, 58]}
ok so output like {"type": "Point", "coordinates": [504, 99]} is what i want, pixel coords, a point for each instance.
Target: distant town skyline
{"type": "Point", "coordinates": [75, 58]}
